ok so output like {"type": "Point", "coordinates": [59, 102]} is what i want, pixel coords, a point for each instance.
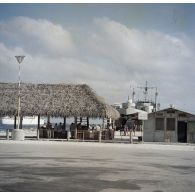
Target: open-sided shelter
{"type": "Point", "coordinates": [55, 100]}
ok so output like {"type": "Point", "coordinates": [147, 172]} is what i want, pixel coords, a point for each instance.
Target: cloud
{"type": "Point", "coordinates": [109, 59]}
{"type": "Point", "coordinates": [162, 59]}
{"type": "Point", "coordinates": [40, 37]}
{"type": "Point", "coordinates": [137, 50]}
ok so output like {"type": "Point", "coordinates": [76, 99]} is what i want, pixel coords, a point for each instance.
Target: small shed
{"type": "Point", "coordinates": [170, 125]}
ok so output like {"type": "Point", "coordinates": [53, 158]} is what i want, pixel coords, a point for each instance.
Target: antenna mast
{"type": "Point", "coordinates": [156, 94]}
{"type": "Point", "coordinates": [133, 94]}
{"type": "Point", "coordinates": [145, 92]}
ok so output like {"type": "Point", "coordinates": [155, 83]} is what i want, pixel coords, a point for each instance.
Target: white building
{"type": "Point", "coordinates": [131, 116]}
{"type": "Point", "coordinates": [170, 125]}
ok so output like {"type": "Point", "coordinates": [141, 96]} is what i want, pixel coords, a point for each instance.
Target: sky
{"type": "Point", "coordinates": [111, 47]}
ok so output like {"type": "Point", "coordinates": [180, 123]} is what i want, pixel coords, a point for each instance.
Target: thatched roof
{"type": "Point", "coordinates": [57, 100]}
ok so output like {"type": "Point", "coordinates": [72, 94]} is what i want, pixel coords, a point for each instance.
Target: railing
{"type": "Point", "coordinates": [94, 134]}
{"type": "Point", "coordinates": [6, 134]}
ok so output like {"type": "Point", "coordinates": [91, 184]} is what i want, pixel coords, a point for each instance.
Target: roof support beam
{"type": "Point", "coordinates": [15, 119]}
{"type": "Point", "coordinates": [38, 126]}
{"type": "Point", "coordinates": [75, 130]}
{"type": "Point", "coordinates": [64, 124]}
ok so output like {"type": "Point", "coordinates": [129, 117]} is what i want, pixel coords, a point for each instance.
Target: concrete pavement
{"type": "Point", "coordinates": [80, 166]}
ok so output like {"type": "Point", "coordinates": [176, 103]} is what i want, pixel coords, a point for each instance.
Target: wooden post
{"type": "Point", "coordinates": [100, 131]}
{"type": "Point", "coordinates": [64, 128]}
{"type": "Point", "coordinates": [64, 124]}
{"type": "Point", "coordinates": [75, 130]}
{"type": "Point", "coordinates": [83, 136]}
{"type": "Point", "coordinates": [15, 119]}
{"type": "Point", "coordinates": [143, 131]}
{"type": "Point", "coordinates": [48, 130]}
{"type": "Point", "coordinates": [87, 122]}
{"type": "Point", "coordinates": [68, 134]}
{"type": "Point", "coordinates": [21, 118]}
{"type": "Point", "coordinates": [130, 137]}
{"type": "Point", "coordinates": [38, 126]}
{"type": "Point", "coordinates": [100, 135]}
{"type": "Point", "coordinates": [113, 124]}
{"type": "Point", "coordinates": [7, 134]}
{"type": "Point", "coordinates": [48, 119]}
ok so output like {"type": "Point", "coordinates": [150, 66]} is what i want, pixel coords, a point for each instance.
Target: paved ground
{"type": "Point", "coordinates": [69, 166]}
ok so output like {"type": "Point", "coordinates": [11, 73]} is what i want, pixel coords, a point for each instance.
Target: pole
{"type": "Point", "coordinates": [7, 134]}
{"type": "Point", "coordinates": [19, 97]}
{"type": "Point", "coordinates": [15, 118]}
{"type": "Point", "coordinates": [19, 59]}
{"type": "Point", "coordinates": [100, 135]}
{"type": "Point", "coordinates": [38, 127]}
{"type": "Point", "coordinates": [130, 137]}
{"type": "Point", "coordinates": [64, 127]}
{"type": "Point", "coordinates": [21, 119]}
{"type": "Point", "coordinates": [143, 131]}
{"type": "Point", "coordinates": [64, 124]}
{"type": "Point", "coordinates": [75, 130]}
{"type": "Point", "coordinates": [87, 122]}
{"type": "Point", "coordinates": [156, 94]}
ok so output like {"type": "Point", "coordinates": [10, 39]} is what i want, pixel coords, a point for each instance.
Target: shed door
{"type": "Point", "coordinates": [182, 132]}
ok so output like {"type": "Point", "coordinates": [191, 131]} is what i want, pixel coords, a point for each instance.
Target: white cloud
{"type": "Point", "coordinates": [137, 50]}
{"type": "Point", "coordinates": [39, 37]}
{"type": "Point", "coordinates": [112, 56]}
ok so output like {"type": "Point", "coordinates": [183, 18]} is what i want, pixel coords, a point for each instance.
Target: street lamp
{"type": "Point", "coordinates": [19, 59]}
{"type": "Point", "coordinates": [18, 134]}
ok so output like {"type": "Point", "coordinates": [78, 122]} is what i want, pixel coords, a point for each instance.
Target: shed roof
{"type": "Point", "coordinates": [172, 109]}
{"type": "Point", "coordinates": [57, 100]}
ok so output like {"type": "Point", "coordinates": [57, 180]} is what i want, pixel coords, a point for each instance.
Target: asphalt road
{"type": "Point", "coordinates": [82, 167]}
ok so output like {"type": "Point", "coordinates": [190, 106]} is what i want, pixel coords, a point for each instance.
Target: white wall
{"type": "Point", "coordinates": [159, 136]}
{"type": "Point", "coordinates": [171, 136]}
{"type": "Point", "coordinates": [191, 132]}
{"type": "Point", "coordinates": [149, 128]}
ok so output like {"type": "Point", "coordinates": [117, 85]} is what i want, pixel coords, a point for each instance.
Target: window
{"type": "Point", "coordinates": [159, 123]}
{"type": "Point", "coordinates": [171, 124]}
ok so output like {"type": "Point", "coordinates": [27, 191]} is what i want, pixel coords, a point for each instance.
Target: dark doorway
{"type": "Point", "coordinates": [182, 132]}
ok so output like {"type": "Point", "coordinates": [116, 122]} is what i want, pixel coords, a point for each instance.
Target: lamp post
{"type": "Point", "coordinates": [19, 60]}
{"type": "Point", "coordinates": [18, 134]}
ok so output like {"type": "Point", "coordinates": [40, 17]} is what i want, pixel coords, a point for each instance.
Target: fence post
{"type": "Point", "coordinates": [38, 126]}
{"type": "Point", "coordinates": [100, 135]}
{"type": "Point", "coordinates": [75, 130]}
{"type": "Point", "coordinates": [130, 137]}
{"type": "Point", "coordinates": [37, 134]}
{"type": "Point", "coordinates": [83, 136]}
{"type": "Point", "coordinates": [68, 134]}
{"type": "Point", "coordinates": [7, 134]}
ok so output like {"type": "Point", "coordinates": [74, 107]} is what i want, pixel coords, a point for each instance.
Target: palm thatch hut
{"type": "Point", "coordinates": [55, 100]}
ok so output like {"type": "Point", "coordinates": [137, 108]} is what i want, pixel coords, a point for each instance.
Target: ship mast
{"type": "Point", "coordinates": [132, 94]}
{"type": "Point", "coordinates": [146, 88]}
{"type": "Point", "coordinates": [145, 92]}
